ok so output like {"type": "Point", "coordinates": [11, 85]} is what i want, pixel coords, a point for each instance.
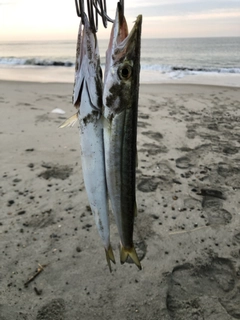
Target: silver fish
{"type": "Point", "coordinates": [120, 102]}
{"type": "Point", "coordinates": [87, 98]}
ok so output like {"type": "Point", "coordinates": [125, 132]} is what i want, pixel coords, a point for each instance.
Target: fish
{"type": "Point", "coordinates": [87, 98]}
{"type": "Point", "coordinates": [120, 111]}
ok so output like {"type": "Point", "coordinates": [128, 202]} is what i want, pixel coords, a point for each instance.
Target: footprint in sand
{"type": "Point", "coordinates": [211, 137]}
{"type": "Point", "coordinates": [26, 104]}
{"type": "Point", "coordinates": [219, 217]}
{"type": "Point", "coordinates": [153, 135]}
{"type": "Point", "coordinates": [236, 238]}
{"type": "Point", "coordinates": [154, 108]}
{"type": "Point", "coordinates": [153, 149]}
{"type": "Point", "coordinates": [56, 171]}
{"type": "Point", "coordinates": [227, 170]}
{"type": "Point", "coordinates": [228, 150]}
{"type": "Point", "coordinates": [191, 133]}
{"type": "Point", "coordinates": [212, 204]}
{"type": "Point", "coordinates": [142, 124]}
{"type": "Point", "coordinates": [213, 193]}
{"type": "Point", "coordinates": [54, 309]}
{"type": "Point", "coordinates": [191, 290]}
{"type": "Point", "coordinates": [212, 126]}
{"type": "Point", "coordinates": [143, 116]}
{"type": "Point", "coordinates": [183, 163]}
{"type": "Point", "coordinates": [229, 173]}
{"type": "Point", "coordinates": [148, 184]}
{"type": "Point", "coordinates": [46, 219]}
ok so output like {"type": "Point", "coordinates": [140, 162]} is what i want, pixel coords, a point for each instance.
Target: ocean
{"type": "Point", "coordinates": [172, 58]}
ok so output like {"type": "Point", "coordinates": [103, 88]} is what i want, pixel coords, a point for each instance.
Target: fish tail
{"type": "Point", "coordinates": [131, 252]}
{"type": "Point", "coordinates": [109, 257]}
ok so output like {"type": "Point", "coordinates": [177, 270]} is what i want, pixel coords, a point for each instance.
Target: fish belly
{"type": "Point", "coordinates": [93, 168]}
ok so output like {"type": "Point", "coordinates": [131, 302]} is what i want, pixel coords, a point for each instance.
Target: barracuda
{"type": "Point", "coordinates": [120, 102]}
{"type": "Point", "coordinates": [87, 98]}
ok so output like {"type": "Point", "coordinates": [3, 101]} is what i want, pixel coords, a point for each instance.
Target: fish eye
{"type": "Point", "coordinates": [125, 72]}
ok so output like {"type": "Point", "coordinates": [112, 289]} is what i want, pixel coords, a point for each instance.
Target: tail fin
{"type": "Point", "coordinates": [131, 252]}
{"type": "Point", "coordinates": [109, 257]}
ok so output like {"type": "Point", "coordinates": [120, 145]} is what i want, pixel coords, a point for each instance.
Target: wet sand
{"type": "Point", "coordinates": [187, 231]}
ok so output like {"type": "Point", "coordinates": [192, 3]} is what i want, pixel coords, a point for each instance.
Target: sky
{"type": "Point", "coordinates": [22, 20]}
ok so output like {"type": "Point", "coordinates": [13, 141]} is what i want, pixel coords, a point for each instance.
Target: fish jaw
{"type": "Point", "coordinates": [120, 103]}
{"type": "Point", "coordinates": [118, 33]}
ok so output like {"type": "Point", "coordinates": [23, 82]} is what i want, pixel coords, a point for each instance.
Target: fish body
{"type": "Point", "coordinates": [120, 103]}
{"type": "Point", "coordinates": [87, 98]}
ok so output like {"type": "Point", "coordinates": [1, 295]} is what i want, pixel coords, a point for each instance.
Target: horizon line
{"type": "Point", "coordinates": [148, 38]}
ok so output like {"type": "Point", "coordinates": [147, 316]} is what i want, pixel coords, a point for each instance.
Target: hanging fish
{"type": "Point", "coordinates": [120, 102]}
{"type": "Point", "coordinates": [87, 98]}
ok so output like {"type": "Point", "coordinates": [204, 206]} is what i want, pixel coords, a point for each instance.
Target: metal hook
{"type": "Point", "coordinates": [79, 7]}
{"type": "Point", "coordinates": [95, 8]}
{"type": "Point", "coordinates": [92, 22]}
{"type": "Point", "coordinates": [103, 12]}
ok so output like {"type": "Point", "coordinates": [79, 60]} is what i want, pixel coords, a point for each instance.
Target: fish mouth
{"type": "Point", "coordinates": [133, 39]}
{"type": "Point", "coordinates": [120, 25]}
{"type": "Point", "coordinates": [120, 29]}
{"type": "Point", "coordinates": [128, 45]}
{"type": "Point", "coordinates": [121, 41]}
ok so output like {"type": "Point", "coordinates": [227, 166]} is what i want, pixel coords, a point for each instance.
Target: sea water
{"type": "Point", "coordinates": [160, 58]}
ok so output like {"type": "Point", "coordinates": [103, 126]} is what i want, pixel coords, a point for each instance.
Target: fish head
{"type": "Point", "coordinates": [87, 68]}
{"type": "Point", "coordinates": [121, 79]}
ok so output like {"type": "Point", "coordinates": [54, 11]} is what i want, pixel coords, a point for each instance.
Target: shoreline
{"type": "Point", "coordinates": [155, 85]}
{"type": "Point", "coordinates": [66, 75]}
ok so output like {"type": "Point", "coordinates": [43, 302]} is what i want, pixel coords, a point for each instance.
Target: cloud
{"type": "Point", "coordinates": [161, 18]}
{"type": "Point", "coordinates": [179, 7]}
{"type": "Point", "coordinates": [210, 15]}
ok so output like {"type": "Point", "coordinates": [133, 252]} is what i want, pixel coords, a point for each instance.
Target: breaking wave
{"type": "Point", "coordinates": [186, 69]}
{"type": "Point", "coordinates": [13, 61]}
{"type": "Point", "coordinates": [162, 68]}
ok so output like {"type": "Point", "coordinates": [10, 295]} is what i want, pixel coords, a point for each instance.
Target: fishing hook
{"type": "Point", "coordinates": [95, 8]}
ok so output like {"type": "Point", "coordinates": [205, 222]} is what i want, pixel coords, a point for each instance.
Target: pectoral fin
{"type": "Point", "coordinates": [70, 122]}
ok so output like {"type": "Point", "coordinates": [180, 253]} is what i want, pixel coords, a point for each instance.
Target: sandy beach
{"type": "Point", "coordinates": [187, 232]}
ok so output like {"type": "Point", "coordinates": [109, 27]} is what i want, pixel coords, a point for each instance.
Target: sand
{"type": "Point", "coordinates": [187, 231]}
